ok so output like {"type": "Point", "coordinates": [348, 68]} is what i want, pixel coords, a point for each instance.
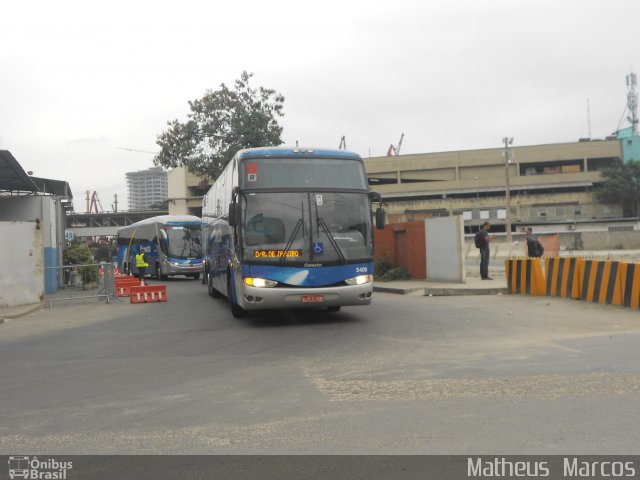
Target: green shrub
{"type": "Point", "coordinates": [398, 273]}
{"type": "Point", "coordinates": [78, 254]}
{"type": "Point", "coordinates": [382, 266]}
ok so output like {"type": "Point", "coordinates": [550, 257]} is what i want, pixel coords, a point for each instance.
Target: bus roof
{"type": "Point", "coordinates": [167, 220]}
{"type": "Point", "coordinates": [295, 152]}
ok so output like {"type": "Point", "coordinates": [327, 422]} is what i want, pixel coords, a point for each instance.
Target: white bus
{"type": "Point", "coordinates": [172, 244]}
{"type": "Point", "coordinates": [290, 227]}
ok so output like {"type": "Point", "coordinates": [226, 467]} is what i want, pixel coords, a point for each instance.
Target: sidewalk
{"type": "Point", "coordinates": [8, 313]}
{"type": "Point", "coordinates": [473, 286]}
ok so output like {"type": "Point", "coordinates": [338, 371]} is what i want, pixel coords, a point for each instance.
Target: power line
{"type": "Point", "coordinates": [136, 150]}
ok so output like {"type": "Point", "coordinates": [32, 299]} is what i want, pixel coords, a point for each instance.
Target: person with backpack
{"type": "Point", "coordinates": [534, 247]}
{"type": "Point", "coordinates": [482, 239]}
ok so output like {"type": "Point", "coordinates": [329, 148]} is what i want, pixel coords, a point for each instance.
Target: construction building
{"type": "Point", "coordinates": [146, 188]}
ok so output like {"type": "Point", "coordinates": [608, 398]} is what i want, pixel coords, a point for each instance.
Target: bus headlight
{"type": "Point", "coordinates": [259, 282]}
{"type": "Point", "coordinates": [359, 280]}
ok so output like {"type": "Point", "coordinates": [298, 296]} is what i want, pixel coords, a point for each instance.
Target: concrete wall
{"type": "Point", "coordinates": [445, 243]}
{"type": "Point", "coordinates": [48, 211]}
{"type": "Point", "coordinates": [22, 259]}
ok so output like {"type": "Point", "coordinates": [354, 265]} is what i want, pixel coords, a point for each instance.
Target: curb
{"type": "Point", "coordinates": [27, 310]}
{"type": "Point", "coordinates": [400, 291]}
{"type": "Point", "coordinates": [442, 292]}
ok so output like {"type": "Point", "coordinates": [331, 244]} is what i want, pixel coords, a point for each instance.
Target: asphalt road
{"type": "Point", "coordinates": [406, 375]}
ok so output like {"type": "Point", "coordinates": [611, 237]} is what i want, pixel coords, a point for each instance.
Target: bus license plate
{"type": "Point", "coordinates": [312, 298]}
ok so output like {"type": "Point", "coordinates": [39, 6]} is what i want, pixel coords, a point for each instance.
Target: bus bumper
{"type": "Point", "coordinates": [184, 269]}
{"type": "Point", "coordinates": [254, 298]}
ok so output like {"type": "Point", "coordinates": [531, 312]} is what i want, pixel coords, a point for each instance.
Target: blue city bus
{"type": "Point", "coordinates": [290, 228]}
{"type": "Point", "coordinates": [172, 244]}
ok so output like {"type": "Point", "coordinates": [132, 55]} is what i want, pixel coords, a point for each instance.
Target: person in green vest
{"type": "Point", "coordinates": [141, 264]}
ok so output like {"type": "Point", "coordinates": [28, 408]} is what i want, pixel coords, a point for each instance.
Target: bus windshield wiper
{"type": "Point", "coordinates": [292, 237]}
{"type": "Point", "coordinates": [294, 234]}
{"type": "Point", "coordinates": [334, 244]}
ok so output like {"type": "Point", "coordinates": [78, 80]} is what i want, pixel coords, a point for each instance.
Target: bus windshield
{"type": "Point", "coordinates": [182, 241]}
{"type": "Point", "coordinates": [303, 173]}
{"type": "Point", "coordinates": [306, 227]}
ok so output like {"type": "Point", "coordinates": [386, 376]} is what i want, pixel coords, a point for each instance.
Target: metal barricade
{"type": "Point", "coordinates": [75, 282]}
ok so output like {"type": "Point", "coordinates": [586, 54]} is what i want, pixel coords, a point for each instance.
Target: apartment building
{"type": "Point", "coordinates": [146, 188]}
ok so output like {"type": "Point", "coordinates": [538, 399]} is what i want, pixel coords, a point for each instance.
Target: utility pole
{"type": "Point", "coordinates": [507, 162]}
{"type": "Point", "coordinates": [632, 102]}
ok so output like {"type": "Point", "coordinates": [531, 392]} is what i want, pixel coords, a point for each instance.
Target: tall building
{"type": "Point", "coordinates": [146, 188]}
{"type": "Point", "coordinates": [185, 192]}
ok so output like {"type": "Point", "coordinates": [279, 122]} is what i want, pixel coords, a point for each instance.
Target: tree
{"type": "Point", "coordinates": [78, 254]}
{"type": "Point", "coordinates": [621, 185]}
{"type": "Point", "coordinates": [219, 124]}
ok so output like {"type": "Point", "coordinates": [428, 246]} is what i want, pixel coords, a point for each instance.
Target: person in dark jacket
{"type": "Point", "coordinates": [485, 253]}
{"type": "Point", "coordinates": [534, 247]}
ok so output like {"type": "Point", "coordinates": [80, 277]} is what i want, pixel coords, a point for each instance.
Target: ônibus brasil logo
{"type": "Point", "coordinates": [32, 468]}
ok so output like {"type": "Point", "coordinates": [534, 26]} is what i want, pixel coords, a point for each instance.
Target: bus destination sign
{"type": "Point", "coordinates": [276, 253]}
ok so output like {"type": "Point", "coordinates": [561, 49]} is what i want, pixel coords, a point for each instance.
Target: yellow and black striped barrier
{"type": "Point", "coordinates": [524, 275]}
{"type": "Point", "coordinates": [563, 277]}
{"type": "Point", "coordinates": [629, 275]}
{"type": "Point", "coordinates": [601, 283]}
{"type": "Point", "coordinates": [608, 282]}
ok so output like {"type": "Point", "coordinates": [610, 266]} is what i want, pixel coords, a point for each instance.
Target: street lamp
{"type": "Point", "coordinates": [507, 161]}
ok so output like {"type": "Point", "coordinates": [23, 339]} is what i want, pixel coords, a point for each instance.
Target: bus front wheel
{"type": "Point", "coordinates": [236, 310]}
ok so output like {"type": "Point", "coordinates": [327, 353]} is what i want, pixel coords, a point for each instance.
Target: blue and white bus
{"type": "Point", "coordinates": [172, 244]}
{"type": "Point", "coordinates": [290, 227]}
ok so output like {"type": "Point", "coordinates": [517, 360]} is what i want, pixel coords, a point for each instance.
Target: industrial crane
{"type": "Point", "coordinates": [393, 150]}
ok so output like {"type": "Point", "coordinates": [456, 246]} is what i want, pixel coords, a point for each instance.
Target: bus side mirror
{"type": "Point", "coordinates": [380, 217]}
{"type": "Point", "coordinates": [234, 214]}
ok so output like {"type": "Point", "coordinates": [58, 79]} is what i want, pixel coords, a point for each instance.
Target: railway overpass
{"type": "Point", "coordinates": [105, 224]}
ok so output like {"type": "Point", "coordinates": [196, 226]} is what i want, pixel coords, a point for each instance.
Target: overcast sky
{"type": "Point", "coordinates": [83, 80]}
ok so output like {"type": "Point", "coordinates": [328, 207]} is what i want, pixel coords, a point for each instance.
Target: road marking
{"type": "Point", "coordinates": [535, 386]}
